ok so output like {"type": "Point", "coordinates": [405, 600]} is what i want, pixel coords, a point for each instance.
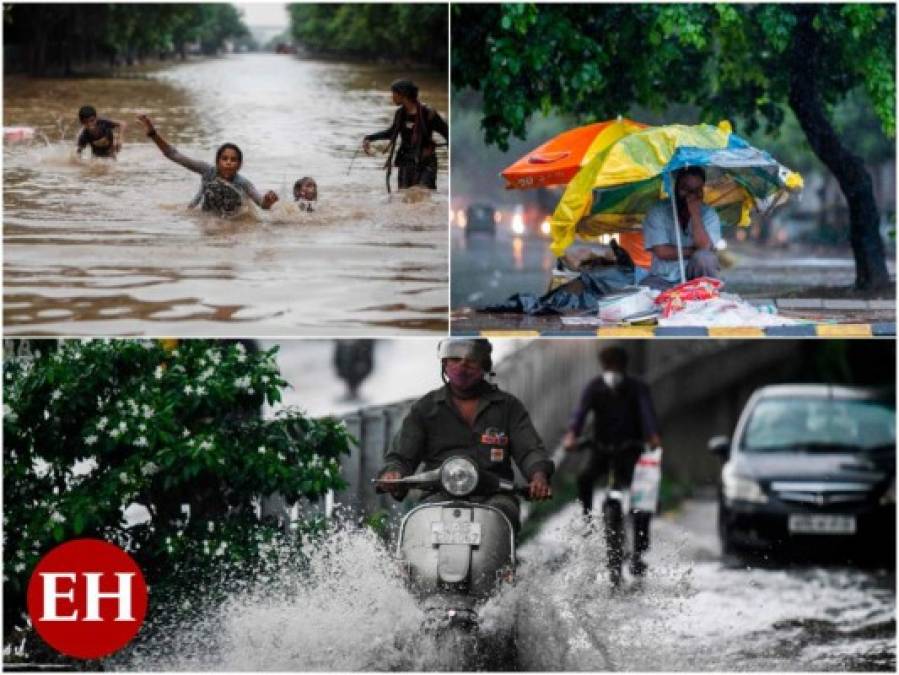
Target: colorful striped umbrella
{"type": "Point", "coordinates": [558, 160]}
{"type": "Point", "coordinates": [616, 188]}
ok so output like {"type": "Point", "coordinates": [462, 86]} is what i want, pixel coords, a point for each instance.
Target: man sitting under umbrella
{"type": "Point", "coordinates": [700, 233]}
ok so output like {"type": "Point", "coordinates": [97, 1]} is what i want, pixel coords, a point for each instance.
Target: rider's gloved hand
{"type": "Point", "coordinates": [539, 487]}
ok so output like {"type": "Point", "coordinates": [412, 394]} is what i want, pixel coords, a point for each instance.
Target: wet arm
{"type": "Point", "coordinates": [408, 446]}
{"type": "Point", "coordinates": [669, 251]}
{"type": "Point", "coordinates": [576, 423]}
{"type": "Point", "coordinates": [439, 125]}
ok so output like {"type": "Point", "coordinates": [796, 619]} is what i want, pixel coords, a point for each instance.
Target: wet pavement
{"type": "Point", "coordinates": [487, 270]}
{"type": "Point", "coordinates": [696, 611]}
{"type": "Point", "coordinates": [348, 610]}
{"type": "Point", "coordinates": [109, 248]}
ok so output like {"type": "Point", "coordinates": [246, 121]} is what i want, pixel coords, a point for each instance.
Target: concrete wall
{"type": "Point", "coordinates": [699, 388]}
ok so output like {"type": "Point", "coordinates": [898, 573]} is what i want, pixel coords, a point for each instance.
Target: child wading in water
{"type": "Point", "coordinates": [104, 136]}
{"type": "Point", "coordinates": [305, 192]}
{"type": "Point", "coordinates": [413, 125]}
{"type": "Point", "coordinates": [222, 189]}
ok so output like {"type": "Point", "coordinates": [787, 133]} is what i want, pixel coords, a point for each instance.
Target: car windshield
{"type": "Point", "coordinates": [818, 424]}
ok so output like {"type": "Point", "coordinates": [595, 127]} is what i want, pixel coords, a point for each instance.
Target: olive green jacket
{"type": "Point", "coordinates": [434, 430]}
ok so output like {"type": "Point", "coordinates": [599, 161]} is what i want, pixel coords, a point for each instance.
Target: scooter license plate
{"type": "Point", "coordinates": [456, 533]}
{"type": "Point", "coordinates": [819, 523]}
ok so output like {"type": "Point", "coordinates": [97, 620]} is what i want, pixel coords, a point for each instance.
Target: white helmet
{"type": "Point", "coordinates": [467, 348]}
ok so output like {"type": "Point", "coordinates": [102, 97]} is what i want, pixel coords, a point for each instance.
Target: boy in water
{"type": "Point", "coordinates": [413, 124]}
{"type": "Point", "coordinates": [104, 136]}
{"type": "Point", "coordinates": [305, 191]}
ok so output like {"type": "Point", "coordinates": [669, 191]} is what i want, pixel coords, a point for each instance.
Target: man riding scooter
{"type": "Point", "coordinates": [472, 417]}
{"type": "Point", "coordinates": [624, 421]}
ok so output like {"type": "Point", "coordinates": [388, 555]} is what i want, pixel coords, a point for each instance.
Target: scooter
{"type": "Point", "coordinates": [456, 553]}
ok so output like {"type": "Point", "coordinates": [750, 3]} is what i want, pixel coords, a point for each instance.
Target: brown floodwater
{"type": "Point", "coordinates": [103, 247]}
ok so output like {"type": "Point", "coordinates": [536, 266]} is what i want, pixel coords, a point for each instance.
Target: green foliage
{"type": "Point", "coordinates": [598, 61]}
{"type": "Point", "coordinates": [94, 427]}
{"type": "Point", "coordinates": [57, 36]}
{"type": "Point", "coordinates": [395, 32]}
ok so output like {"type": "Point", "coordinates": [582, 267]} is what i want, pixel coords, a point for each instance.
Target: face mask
{"type": "Point", "coordinates": [463, 377]}
{"type": "Point", "coordinates": [612, 378]}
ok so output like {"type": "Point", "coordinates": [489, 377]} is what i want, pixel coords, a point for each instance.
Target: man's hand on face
{"type": "Point", "coordinates": [694, 202]}
{"type": "Point", "coordinates": [539, 487]}
{"type": "Point", "coordinates": [392, 488]}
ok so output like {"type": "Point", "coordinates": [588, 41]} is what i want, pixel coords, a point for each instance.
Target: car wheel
{"type": "Point", "coordinates": [728, 547]}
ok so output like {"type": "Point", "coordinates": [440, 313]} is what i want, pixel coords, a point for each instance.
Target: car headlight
{"type": "Point", "coordinates": [459, 476]}
{"type": "Point", "coordinates": [741, 488]}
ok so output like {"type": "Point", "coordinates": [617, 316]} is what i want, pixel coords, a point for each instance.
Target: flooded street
{"type": "Point", "coordinates": [694, 612]}
{"type": "Point", "coordinates": [97, 247]}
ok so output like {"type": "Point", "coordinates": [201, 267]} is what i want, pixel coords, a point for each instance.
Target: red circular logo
{"type": "Point", "coordinates": [87, 598]}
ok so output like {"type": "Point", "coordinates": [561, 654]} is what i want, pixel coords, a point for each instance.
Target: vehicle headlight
{"type": "Point", "coordinates": [459, 476]}
{"type": "Point", "coordinates": [741, 488]}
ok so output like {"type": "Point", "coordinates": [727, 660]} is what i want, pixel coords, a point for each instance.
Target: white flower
{"type": "Point", "coordinates": [123, 477]}
{"type": "Point", "coordinates": [46, 414]}
{"type": "Point", "coordinates": [123, 427]}
{"type": "Point", "coordinates": [158, 372]}
{"type": "Point", "coordinates": [206, 445]}
{"type": "Point", "coordinates": [57, 517]}
{"type": "Point", "coordinates": [9, 414]}
{"type": "Point", "coordinates": [185, 433]}
{"type": "Point", "coordinates": [114, 433]}
{"type": "Point", "coordinates": [251, 390]}
{"type": "Point", "coordinates": [141, 442]}
{"type": "Point", "coordinates": [265, 379]}
{"type": "Point", "coordinates": [188, 389]}
{"type": "Point", "coordinates": [215, 356]}
{"type": "Point", "coordinates": [210, 526]}
{"type": "Point", "coordinates": [242, 382]}
{"type": "Point", "coordinates": [148, 411]}
{"type": "Point", "coordinates": [201, 390]}
{"type": "Point", "coordinates": [90, 440]}
{"type": "Point", "coordinates": [205, 375]}
{"type": "Point", "coordinates": [261, 449]}
{"type": "Point", "coordinates": [102, 422]}
{"type": "Point", "coordinates": [141, 427]}
{"type": "Point", "coordinates": [56, 395]}
{"type": "Point", "coordinates": [150, 469]}
{"type": "Point", "coordinates": [220, 551]}
{"type": "Point", "coordinates": [239, 346]}
{"type": "Point", "coordinates": [20, 567]}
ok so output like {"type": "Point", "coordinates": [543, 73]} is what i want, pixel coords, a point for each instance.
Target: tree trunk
{"type": "Point", "coordinates": [849, 169]}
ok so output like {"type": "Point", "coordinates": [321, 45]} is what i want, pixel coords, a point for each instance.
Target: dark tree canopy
{"type": "Point", "coordinates": [51, 38]}
{"type": "Point", "coordinates": [393, 32]}
{"type": "Point", "coordinates": [742, 62]}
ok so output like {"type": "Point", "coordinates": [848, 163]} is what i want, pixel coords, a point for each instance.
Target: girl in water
{"type": "Point", "coordinates": [222, 189]}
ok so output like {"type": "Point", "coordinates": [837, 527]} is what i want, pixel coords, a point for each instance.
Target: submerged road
{"type": "Point", "coordinates": [348, 610]}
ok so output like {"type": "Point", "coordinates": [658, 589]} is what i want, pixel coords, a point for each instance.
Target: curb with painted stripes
{"type": "Point", "coordinates": [838, 330]}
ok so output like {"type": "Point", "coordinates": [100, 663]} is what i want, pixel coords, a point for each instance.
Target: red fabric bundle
{"type": "Point", "coordinates": [675, 298]}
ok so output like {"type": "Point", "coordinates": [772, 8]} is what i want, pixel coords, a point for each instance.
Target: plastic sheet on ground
{"type": "Point", "coordinates": [580, 295]}
{"type": "Point", "coordinates": [726, 310]}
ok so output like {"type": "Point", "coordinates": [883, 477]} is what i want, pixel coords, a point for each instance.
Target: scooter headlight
{"type": "Point", "coordinates": [459, 476]}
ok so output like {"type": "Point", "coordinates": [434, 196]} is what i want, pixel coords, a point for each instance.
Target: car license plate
{"type": "Point", "coordinates": [819, 523]}
{"type": "Point", "coordinates": [456, 533]}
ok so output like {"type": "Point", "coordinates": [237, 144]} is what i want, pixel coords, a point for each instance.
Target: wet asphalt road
{"type": "Point", "coordinates": [487, 270]}
{"type": "Point", "coordinates": [696, 611]}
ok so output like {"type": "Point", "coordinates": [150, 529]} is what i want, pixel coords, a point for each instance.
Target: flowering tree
{"type": "Point", "coordinates": [169, 432]}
